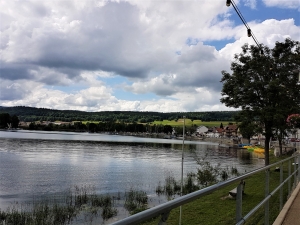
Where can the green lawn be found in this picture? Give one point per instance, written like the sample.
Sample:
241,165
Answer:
189,122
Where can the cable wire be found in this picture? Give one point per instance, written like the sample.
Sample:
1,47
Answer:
246,24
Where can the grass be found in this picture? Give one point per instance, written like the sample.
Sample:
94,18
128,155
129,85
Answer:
189,122
219,208
179,122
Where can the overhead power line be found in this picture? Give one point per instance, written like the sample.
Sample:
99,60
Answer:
249,31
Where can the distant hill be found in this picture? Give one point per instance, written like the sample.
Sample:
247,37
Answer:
29,114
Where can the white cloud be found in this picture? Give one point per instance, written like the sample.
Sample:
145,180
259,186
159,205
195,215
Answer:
267,33
82,48
250,3
294,4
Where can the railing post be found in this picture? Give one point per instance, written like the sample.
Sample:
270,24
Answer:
267,171
289,182
298,167
239,201
281,189
295,175
164,218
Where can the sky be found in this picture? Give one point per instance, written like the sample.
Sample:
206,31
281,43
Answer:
135,55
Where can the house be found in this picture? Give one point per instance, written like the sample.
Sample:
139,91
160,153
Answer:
201,130
231,130
24,124
215,132
212,135
219,131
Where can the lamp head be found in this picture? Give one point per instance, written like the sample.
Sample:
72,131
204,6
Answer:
249,32
228,2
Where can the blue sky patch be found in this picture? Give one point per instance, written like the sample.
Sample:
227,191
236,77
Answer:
191,41
125,95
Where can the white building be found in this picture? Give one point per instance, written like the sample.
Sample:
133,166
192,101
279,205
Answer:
201,129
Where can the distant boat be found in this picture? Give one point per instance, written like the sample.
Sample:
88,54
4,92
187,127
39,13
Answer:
242,145
254,149
11,130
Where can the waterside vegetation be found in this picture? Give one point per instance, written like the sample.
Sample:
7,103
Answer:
76,204
219,207
83,204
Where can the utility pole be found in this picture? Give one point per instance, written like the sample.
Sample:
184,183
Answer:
182,158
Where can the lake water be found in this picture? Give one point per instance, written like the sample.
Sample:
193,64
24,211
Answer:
36,163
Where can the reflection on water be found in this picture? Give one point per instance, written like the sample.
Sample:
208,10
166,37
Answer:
34,167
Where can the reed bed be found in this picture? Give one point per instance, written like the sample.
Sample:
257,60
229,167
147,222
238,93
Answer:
135,201
75,204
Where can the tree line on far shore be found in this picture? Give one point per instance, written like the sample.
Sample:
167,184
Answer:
7,121
135,123
109,127
31,114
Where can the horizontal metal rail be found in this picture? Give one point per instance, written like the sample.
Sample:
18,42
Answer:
256,208
165,208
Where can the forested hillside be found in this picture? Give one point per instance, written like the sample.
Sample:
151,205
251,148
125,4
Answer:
30,114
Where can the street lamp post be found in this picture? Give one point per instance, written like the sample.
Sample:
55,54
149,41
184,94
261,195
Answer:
182,157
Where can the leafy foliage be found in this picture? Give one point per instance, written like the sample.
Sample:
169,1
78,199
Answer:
6,119
248,125
207,174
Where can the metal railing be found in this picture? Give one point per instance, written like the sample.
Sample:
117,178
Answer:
164,209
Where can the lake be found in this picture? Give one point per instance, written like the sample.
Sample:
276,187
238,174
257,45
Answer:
37,163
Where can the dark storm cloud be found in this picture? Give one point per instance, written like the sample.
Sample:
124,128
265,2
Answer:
57,76
11,91
104,39
101,38
210,79
15,71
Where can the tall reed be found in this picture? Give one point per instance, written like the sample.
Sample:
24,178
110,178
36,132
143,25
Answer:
135,201
76,202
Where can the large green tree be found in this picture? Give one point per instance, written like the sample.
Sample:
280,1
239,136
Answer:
264,86
4,120
14,121
248,126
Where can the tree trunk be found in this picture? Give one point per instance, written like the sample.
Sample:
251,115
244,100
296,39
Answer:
280,146
280,138
267,142
268,135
